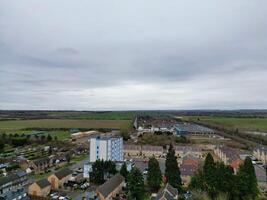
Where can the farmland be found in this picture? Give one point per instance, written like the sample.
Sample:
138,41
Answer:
63,124
243,124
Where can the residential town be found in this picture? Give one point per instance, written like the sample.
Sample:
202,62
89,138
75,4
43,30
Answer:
54,176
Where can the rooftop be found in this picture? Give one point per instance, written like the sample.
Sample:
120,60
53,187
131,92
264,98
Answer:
63,173
110,185
43,183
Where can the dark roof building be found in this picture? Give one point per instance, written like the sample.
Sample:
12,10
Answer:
20,194
43,183
111,187
12,181
63,173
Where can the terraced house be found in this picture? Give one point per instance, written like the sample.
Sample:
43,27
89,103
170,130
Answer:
13,182
229,156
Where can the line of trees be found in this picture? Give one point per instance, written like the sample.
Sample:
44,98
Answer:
217,179
16,140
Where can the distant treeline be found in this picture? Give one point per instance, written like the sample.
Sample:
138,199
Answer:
96,115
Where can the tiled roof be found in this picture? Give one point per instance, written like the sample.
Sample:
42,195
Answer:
41,161
187,148
8,179
187,170
63,173
152,148
167,193
110,185
230,153
43,183
132,147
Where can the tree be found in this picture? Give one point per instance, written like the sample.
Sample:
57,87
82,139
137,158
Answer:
172,171
125,134
247,181
225,180
49,138
97,174
36,137
154,176
135,184
42,138
124,171
2,145
209,172
110,167
55,138
68,157
101,168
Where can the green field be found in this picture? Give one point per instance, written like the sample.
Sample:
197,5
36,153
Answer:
244,124
63,123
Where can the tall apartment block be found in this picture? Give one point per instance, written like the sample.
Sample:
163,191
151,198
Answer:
106,148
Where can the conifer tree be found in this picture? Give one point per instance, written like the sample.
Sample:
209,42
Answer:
247,181
135,184
154,176
172,171
124,171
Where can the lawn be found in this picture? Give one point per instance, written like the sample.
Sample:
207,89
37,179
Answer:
63,123
244,124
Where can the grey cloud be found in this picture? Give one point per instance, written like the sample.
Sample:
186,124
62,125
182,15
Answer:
81,49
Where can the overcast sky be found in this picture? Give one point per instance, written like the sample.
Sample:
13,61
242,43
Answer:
133,54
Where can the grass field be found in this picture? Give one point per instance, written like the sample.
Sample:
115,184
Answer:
63,123
244,124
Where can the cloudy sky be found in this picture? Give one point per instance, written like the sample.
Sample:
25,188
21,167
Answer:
125,54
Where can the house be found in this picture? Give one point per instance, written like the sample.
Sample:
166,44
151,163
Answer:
188,168
16,194
182,151
149,151
229,156
167,193
40,164
260,152
132,150
111,187
106,148
58,179
40,188
13,181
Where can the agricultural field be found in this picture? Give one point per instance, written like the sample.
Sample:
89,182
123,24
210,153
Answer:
64,124
243,124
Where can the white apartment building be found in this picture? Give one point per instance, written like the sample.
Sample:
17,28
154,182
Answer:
106,148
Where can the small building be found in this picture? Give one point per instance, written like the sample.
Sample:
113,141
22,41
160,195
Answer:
87,168
111,187
167,193
58,179
149,151
132,150
40,188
